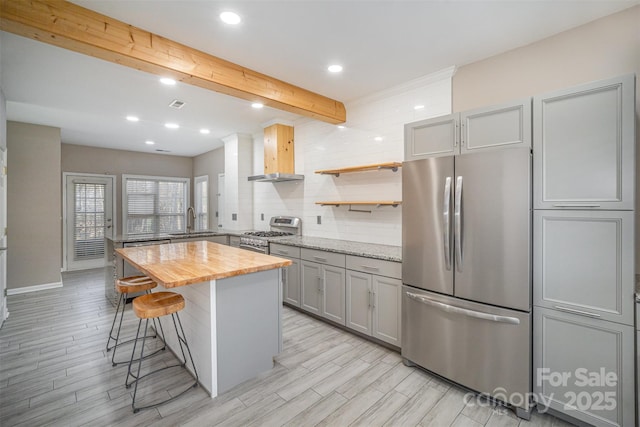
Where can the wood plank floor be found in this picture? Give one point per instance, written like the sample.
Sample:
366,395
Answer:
54,370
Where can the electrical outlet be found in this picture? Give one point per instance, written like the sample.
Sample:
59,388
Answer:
234,217
319,219
261,217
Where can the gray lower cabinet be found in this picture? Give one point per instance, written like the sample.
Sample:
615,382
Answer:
485,128
291,283
584,367
374,301
291,275
323,284
234,241
583,145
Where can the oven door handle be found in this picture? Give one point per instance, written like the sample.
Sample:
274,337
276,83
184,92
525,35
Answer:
252,248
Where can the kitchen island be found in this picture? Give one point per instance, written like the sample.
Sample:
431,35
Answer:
232,318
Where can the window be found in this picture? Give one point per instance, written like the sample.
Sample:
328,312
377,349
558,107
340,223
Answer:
202,202
154,204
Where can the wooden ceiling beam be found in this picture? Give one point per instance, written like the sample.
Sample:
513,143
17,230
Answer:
73,27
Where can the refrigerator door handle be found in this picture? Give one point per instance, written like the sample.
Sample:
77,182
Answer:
447,223
459,310
457,214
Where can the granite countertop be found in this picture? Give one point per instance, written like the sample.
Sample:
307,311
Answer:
186,263
369,250
125,238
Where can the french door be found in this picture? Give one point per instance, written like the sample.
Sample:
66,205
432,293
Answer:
89,219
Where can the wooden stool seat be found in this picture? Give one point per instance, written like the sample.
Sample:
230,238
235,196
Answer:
130,285
157,304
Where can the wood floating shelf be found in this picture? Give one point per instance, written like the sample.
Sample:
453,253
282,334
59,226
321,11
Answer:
377,166
377,203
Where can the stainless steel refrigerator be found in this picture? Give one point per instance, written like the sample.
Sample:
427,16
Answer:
466,270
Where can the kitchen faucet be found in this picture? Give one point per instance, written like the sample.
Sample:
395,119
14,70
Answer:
191,218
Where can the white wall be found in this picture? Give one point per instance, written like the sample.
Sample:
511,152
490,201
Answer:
324,146
238,190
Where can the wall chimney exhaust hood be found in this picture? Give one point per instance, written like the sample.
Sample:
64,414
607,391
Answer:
278,155
276,177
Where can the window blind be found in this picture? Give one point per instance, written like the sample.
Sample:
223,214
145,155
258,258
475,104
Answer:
88,221
155,204
202,202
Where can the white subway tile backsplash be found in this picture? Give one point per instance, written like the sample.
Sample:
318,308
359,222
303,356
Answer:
320,145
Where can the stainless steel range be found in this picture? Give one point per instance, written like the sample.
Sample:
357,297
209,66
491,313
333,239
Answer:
281,226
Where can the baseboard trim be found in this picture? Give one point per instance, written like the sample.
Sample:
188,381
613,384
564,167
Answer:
34,288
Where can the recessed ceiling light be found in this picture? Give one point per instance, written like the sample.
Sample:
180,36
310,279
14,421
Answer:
149,142
167,81
335,68
418,107
340,126
133,119
377,138
171,125
230,18
205,131
257,105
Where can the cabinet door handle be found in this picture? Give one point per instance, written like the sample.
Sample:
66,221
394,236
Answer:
319,284
369,298
373,299
576,205
285,276
574,311
455,135
370,267
318,258
281,252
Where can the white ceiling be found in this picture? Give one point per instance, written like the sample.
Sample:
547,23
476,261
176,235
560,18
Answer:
380,43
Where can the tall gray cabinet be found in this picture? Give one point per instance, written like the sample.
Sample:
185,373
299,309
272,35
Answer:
583,257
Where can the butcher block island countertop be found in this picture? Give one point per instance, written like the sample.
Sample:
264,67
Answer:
233,306
181,264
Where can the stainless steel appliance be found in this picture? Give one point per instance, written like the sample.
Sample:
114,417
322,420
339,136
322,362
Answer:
281,226
466,269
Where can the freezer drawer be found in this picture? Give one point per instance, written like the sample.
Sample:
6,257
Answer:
484,348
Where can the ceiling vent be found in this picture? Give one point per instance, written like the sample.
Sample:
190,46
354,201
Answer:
160,150
177,104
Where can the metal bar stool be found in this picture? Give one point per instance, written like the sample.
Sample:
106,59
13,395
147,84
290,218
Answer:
126,286
152,306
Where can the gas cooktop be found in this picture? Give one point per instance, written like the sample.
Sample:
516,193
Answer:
268,233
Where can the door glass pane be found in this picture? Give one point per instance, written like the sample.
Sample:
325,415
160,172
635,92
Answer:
88,221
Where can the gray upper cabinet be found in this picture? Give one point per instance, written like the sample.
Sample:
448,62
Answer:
583,263
431,138
496,126
485,128
584,146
